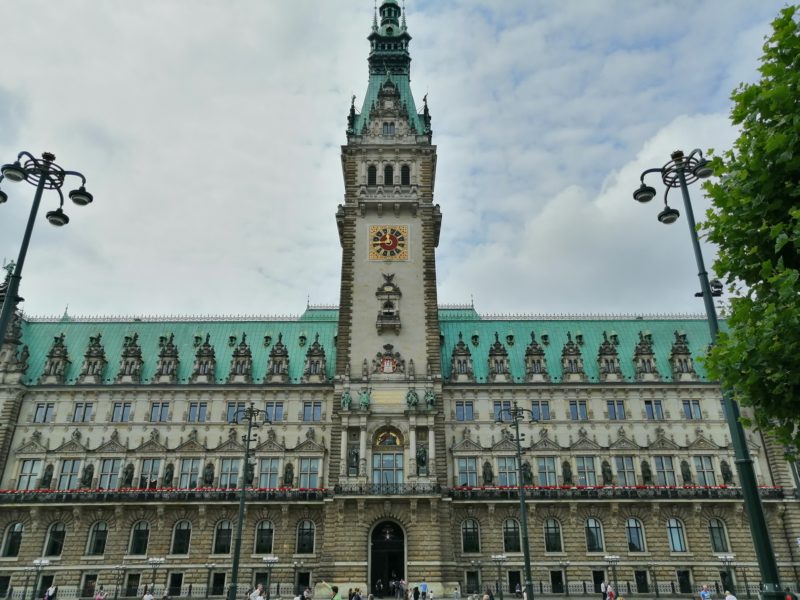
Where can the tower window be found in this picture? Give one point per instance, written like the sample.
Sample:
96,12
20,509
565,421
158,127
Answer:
388,128
405,175
372,175
388,175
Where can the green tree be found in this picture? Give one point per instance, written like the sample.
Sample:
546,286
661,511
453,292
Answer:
755,221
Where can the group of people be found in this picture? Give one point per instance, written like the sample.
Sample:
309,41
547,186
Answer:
705,594
607,591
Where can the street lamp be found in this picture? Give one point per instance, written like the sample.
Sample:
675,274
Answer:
250,413
517,415
38,565
154,564
680,171
727,561
295,565
652,566
564,564
499,560
44,173
612,560
269,562
118,572
210,567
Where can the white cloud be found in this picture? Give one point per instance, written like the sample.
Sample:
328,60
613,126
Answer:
210,136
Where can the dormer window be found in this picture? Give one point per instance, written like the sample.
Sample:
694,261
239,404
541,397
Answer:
388,128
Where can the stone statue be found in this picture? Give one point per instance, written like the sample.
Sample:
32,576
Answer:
527,473
727,474
347,400
686,473
288,475
363,399
605,469
566,473
208,475
127,475
9,269
47,478
88,475
422,461
169,471
249,472
365,369
411,398
647,474
430,398
352,458
488,476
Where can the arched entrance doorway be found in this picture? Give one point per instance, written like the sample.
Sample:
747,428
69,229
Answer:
387,559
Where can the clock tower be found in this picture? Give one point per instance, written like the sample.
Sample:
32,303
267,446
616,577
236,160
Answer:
388,358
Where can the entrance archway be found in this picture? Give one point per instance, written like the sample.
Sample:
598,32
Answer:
387,557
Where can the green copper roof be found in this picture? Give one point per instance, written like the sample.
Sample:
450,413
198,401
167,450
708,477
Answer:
407,98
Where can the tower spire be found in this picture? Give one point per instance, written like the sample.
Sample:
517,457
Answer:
403,23
375,17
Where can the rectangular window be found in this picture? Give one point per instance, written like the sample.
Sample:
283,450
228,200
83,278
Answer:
44,412
309,473
109,473
159,412
68,477
217,584
121,412
468,471
5,582
29,474
132,584
616,410
704,465
273,412
502,410
691,410
388,128
507,471
547,470
150,470
464,410
577,410
586,472
235,412
653,410
268,473
190,471
540,410
229,473
625,472
83,412
665,472
387,469
198,412
312,411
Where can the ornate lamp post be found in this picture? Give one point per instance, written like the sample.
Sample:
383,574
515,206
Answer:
612,560
249,414
727,561
44,173
209,567
681,171
499,560
652,566
38,565
517,415
154,564
295,566
564,565
269,562
118,571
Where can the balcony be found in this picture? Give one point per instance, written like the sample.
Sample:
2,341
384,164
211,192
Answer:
387,489
609,493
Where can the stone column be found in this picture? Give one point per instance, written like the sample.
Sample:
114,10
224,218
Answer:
362,451
431,450
412,449
343,450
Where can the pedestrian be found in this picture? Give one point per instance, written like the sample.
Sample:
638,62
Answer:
415,593
729,596
147,595
334,590
258,593
100,595
603,588
705,594
456,593
518,590
610,593
423,589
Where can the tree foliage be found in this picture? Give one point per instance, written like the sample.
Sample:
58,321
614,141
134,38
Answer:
755,221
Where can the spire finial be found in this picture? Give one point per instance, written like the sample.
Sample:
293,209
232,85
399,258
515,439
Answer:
404,16
375,17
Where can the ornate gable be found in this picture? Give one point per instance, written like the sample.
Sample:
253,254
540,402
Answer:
190,445
702,443
71,446
546,444
232,444
270,444
499,367
309,445
111,445
467,445
624,444
167,366
94,362
241,362
680,359
535,362
608,360
572,361
205,363
151,446
662,443
644,358
314,371
31,447
505,444
584,443
461,362
130,364
57,362
278,364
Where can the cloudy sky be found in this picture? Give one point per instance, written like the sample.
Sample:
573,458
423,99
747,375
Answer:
210,132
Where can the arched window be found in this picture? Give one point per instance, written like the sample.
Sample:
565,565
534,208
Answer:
719,537
594,535
388,175
264,533
140,534
677,540
12,540
222,538
372,175
405,175
511,535
181,536
305,537
552,536
54,543
98,535
635,534
470,536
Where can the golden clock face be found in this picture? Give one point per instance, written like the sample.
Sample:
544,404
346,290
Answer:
388,242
